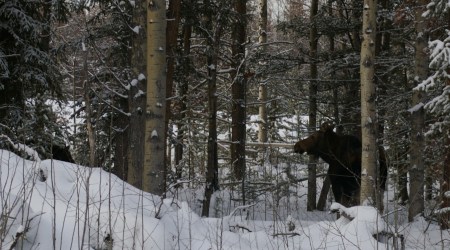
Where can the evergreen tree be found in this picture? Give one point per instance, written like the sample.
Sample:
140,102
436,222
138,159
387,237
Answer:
29,74
437,85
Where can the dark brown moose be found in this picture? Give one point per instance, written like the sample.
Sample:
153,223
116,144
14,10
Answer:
343,154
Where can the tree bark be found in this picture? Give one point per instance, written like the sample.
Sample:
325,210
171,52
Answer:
262,98
368,105
324,193
238,90
326,182
173,17
121,142
444,218
312,165
154,172
136,101
417,168
212,170
88,109
401,150
183,91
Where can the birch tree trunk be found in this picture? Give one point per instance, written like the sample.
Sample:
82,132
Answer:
416,168
154,172
368,104
312,165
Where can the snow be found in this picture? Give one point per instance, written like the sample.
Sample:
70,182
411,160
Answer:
78,207
416,108
83,46
139,94
20,229
141,77
136,29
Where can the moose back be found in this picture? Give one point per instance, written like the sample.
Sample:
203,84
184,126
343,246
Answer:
343,154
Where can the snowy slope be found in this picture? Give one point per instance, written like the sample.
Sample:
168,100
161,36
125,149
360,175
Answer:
87,208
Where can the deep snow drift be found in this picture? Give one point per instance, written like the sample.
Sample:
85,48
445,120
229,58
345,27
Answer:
87,208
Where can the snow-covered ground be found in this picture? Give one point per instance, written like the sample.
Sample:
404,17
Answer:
87,208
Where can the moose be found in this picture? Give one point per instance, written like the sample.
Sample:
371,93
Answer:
343,154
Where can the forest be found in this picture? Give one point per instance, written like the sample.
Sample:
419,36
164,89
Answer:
199,103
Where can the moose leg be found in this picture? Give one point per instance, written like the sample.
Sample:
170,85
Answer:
351,192
337,192
351,197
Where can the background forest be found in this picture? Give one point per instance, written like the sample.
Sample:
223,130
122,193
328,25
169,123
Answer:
237,83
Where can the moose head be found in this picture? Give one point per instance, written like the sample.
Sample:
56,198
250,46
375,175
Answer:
317,141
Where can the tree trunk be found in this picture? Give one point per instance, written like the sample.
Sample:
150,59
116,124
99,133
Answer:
356,17
87,99
402,149
444,219
238,91
326,182
312,165
402,178
136,100
121,142
173,17
89,126
324,193
416,170
262,98
368,105
183,91
212,170
382,46
154,172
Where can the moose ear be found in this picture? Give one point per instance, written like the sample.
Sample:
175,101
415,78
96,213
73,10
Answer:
327,126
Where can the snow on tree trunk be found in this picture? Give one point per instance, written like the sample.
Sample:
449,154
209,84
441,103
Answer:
136,103
155,143
368,104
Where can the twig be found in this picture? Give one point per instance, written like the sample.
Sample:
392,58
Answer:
19,234
241,207
286,234
241,227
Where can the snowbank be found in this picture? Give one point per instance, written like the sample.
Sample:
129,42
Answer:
87,208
